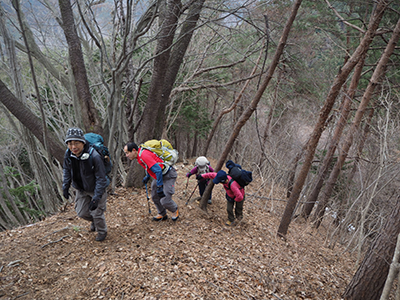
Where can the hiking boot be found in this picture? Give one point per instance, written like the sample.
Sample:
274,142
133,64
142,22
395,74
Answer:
101,236
209,201
229,223
160,218
92,227
175,215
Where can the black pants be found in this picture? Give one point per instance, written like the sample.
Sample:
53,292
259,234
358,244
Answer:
235,210
202,187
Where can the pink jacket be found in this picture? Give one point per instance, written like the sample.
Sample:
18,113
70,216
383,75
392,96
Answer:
235,191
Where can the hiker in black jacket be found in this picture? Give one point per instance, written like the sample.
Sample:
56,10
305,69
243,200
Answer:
84,168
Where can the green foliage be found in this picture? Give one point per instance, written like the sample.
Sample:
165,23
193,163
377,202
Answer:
21,195
11,172
193,118
20,192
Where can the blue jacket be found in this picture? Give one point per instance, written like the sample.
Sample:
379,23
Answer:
86,172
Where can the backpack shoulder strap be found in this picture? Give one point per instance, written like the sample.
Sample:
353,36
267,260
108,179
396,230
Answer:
90,156
140,157
165,167
230,182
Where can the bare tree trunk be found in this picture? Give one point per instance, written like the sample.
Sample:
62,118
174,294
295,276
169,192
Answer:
379,71
169,16
16,211
292,172
393,271
195,147
131,110
267,130
342,211
175,61
90,117
48,177
44,176
361,145
323,115
368,281
167,62
30,121
253,105
344,115
12,220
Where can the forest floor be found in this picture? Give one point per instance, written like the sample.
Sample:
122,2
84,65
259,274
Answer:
196,257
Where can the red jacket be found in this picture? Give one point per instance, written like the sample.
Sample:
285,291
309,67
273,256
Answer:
147,159
235,191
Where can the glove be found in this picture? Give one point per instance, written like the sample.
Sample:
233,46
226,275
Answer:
160,191
199,177
66,194
188,174
146,179
93,204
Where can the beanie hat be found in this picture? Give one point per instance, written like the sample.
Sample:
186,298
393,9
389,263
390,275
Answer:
221,176
75,134
201,161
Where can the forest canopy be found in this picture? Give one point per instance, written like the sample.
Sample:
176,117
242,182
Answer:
303,93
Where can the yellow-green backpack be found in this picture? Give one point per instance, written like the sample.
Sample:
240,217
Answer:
163,149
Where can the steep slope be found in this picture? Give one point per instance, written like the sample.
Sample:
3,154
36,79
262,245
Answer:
197,257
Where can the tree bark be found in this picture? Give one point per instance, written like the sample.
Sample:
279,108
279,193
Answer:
379,71
167,62
169,19
169,16
344,115
15,209
393,271
253,105
30,121
12,220
343,207
175,61
360,146
324,113
90,117
369,279
292,173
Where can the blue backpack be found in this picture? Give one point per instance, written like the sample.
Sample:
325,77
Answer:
97,142
241,176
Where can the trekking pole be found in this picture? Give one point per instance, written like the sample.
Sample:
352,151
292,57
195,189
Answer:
192,193
187,182
147,195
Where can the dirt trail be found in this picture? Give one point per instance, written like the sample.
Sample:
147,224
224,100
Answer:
197,257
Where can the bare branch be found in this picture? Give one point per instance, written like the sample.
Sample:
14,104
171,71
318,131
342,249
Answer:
343,20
